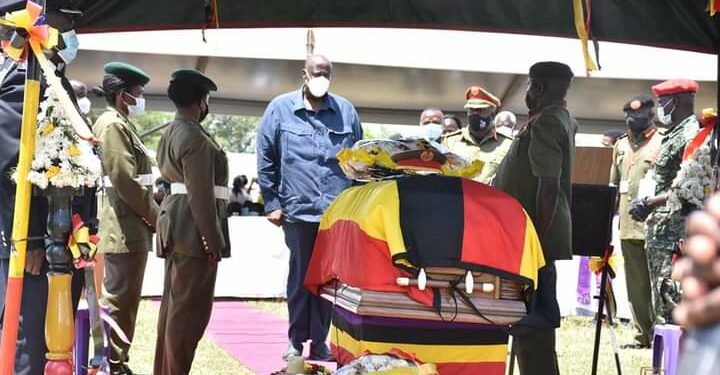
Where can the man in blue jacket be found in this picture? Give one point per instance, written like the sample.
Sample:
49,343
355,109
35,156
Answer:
299,176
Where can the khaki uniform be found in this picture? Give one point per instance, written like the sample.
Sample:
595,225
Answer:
631,161
127,210
191,227
491,150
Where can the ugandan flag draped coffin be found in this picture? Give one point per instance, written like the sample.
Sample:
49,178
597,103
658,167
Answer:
374,233
455,348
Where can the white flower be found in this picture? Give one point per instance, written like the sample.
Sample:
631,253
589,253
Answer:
52,150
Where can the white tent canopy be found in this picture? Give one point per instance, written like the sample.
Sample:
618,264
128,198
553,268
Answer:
392,74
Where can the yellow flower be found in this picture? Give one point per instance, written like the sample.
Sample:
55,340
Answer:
52,171
49,127
74,151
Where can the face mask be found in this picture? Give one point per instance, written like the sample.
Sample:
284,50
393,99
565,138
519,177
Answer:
431,131
138,108
205,112
478,123
637,124
84,104
664,118
318,86
72,44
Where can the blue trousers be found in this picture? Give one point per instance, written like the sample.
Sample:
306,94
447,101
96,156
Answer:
309,314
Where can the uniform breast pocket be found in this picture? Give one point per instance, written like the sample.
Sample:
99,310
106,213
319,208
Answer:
297,142
339,139
619,159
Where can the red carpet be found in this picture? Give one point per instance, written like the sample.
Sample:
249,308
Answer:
256,338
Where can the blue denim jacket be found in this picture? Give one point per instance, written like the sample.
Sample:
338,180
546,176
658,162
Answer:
298,169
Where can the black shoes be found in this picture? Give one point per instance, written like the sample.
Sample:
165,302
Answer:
320,352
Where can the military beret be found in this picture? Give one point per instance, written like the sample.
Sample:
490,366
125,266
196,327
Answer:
478,97
675,86
193,78
551,70
128,73
639,101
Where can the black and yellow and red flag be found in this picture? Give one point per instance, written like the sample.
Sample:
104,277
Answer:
377,232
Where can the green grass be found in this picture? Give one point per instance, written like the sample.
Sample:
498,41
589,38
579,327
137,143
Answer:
574,348
210,359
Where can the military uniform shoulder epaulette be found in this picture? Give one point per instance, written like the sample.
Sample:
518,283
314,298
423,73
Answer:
452,134
624,135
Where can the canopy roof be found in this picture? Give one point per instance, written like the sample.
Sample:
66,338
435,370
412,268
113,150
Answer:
664,23
392,74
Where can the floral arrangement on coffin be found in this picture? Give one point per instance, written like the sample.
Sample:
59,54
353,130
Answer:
379,159
693,183
62,159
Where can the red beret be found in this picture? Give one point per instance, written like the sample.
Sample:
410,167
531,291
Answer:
675,86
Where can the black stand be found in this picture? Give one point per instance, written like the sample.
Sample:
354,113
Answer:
598,325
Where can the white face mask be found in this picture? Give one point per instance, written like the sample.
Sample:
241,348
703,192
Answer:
318,86
84,104
139,107
664,118
431,132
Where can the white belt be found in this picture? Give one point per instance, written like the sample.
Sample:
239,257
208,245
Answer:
142,179
221,192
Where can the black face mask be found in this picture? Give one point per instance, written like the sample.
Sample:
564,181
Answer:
204,113
478,123
638,124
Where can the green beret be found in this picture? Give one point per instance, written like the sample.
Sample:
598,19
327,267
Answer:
639,101
128,73
193,78
551,70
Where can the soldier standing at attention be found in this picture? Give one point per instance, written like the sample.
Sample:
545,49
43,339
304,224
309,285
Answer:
664,228
633,156
127,210
192,226
479,140
536,172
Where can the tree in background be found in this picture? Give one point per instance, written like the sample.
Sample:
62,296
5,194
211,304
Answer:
233,133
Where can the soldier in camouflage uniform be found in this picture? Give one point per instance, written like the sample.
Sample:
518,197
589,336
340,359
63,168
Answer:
676,99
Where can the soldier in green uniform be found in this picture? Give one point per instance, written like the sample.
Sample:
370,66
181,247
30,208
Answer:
192,226
664,228
633,156
479,140
536,171
127,209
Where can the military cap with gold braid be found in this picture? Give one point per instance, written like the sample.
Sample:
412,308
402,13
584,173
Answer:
478,97
131,74
193,78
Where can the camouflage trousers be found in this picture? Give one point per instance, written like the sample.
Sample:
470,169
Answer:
663,232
